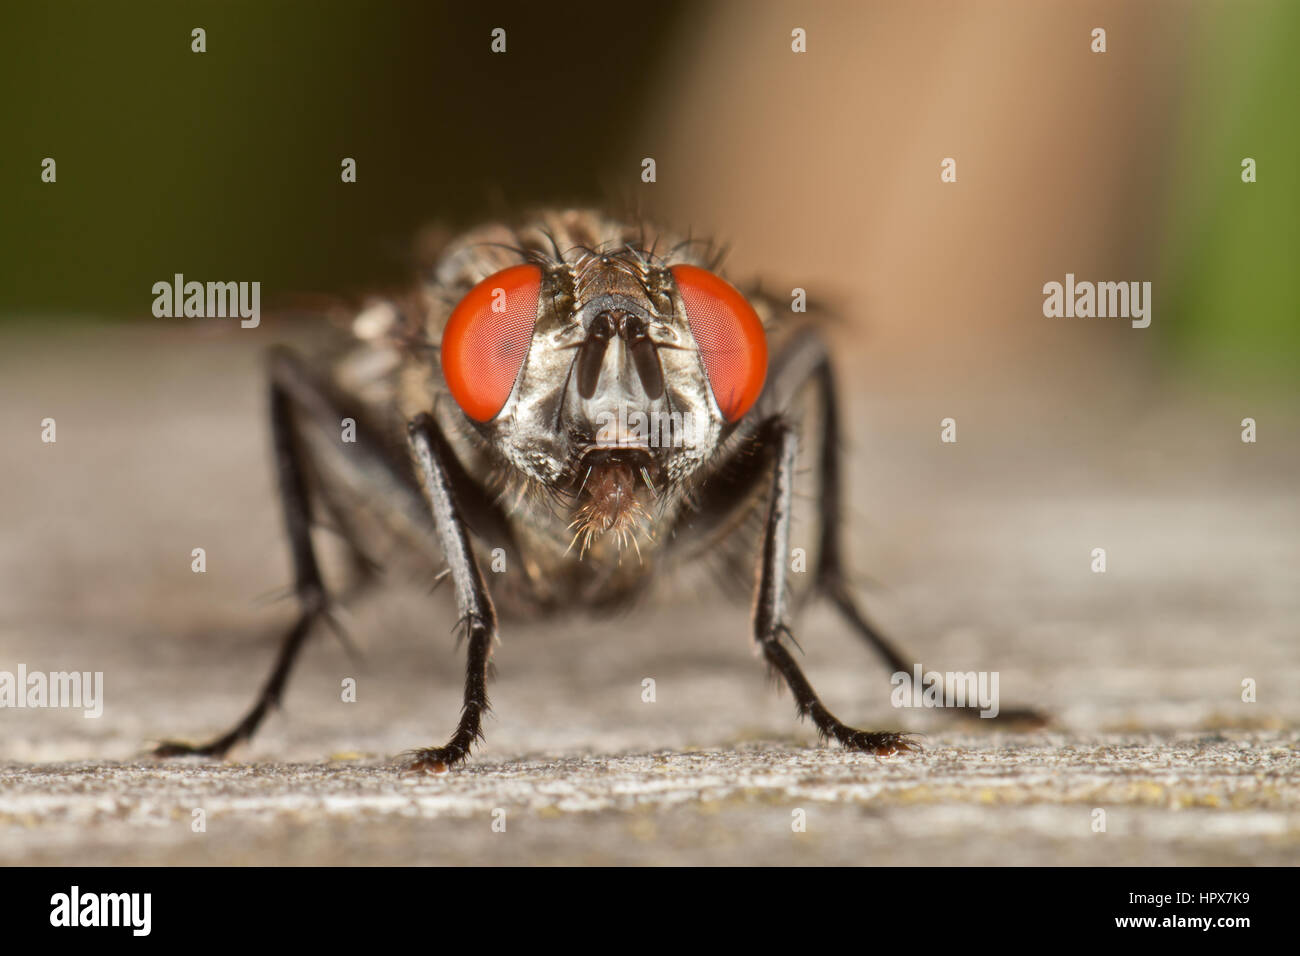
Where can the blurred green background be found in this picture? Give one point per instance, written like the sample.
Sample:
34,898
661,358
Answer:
227,163
1234,250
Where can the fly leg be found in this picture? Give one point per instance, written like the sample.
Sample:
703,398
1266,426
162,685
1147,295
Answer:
436,465
770,606
292,389
809,358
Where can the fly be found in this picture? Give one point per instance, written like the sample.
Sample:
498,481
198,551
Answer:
596,403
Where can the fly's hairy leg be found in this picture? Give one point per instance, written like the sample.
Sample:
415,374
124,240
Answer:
770,625
435,463
805,361
293,388
806,358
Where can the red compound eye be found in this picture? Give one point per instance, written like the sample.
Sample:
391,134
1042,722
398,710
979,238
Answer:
730,336
487,337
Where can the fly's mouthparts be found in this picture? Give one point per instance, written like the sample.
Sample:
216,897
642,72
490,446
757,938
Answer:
608,502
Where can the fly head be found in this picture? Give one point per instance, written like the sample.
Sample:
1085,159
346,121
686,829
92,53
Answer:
605,376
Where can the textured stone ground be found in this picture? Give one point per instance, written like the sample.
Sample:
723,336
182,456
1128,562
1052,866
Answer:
980,554
967,800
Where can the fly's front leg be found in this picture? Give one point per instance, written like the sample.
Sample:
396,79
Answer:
804,362
830,577
435,463
770,605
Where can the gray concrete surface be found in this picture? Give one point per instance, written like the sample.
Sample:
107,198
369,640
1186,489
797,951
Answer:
979,554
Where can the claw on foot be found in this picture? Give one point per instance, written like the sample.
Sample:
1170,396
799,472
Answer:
435,760
880,744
